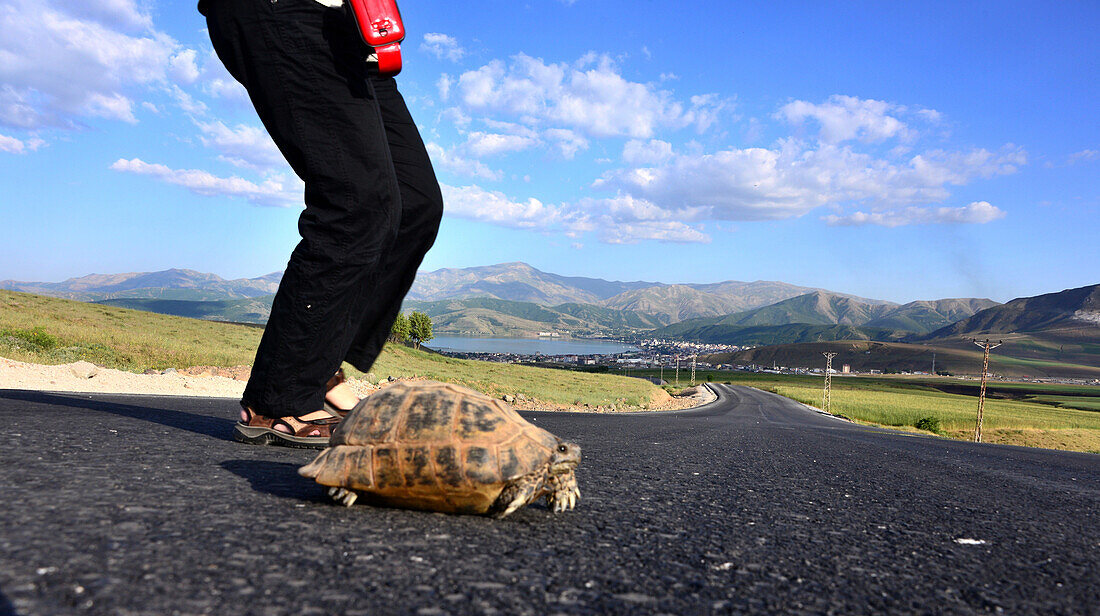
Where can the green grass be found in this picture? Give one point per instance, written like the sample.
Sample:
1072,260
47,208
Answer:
557,386
47,330
900,403
118,337
1084,403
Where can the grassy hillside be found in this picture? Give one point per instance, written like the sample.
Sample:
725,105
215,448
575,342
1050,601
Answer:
864,356
927,316
817,308
491,316
672,302
710,330
252,310
40,329
903,403
1074,312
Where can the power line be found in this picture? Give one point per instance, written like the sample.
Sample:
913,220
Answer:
827,400
987,345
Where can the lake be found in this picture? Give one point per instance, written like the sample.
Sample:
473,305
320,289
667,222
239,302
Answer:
528,346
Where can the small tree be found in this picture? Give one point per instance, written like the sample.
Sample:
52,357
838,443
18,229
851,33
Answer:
420,328
399,332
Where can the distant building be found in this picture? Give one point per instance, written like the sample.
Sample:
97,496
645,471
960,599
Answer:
846,369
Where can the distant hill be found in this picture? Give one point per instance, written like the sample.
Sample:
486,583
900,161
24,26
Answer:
926,316
1073,312
251,310
755,335
515,282
864,356
673,302
490,316
523,283
817,308
1056,334
822,316
181,284
1059,327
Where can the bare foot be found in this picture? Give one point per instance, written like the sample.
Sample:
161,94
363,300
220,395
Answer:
342,397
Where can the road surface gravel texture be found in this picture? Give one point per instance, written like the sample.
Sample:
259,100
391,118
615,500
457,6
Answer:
123,505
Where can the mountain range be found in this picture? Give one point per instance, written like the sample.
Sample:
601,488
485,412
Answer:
824,316
1055,334
519,282
515,299
654,302
174,284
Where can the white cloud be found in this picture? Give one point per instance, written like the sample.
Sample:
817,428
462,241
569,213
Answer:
444,84
1083,155
110,106
843,118
274,191
792,179
18,146
590,96
476,203
442,46
243,145
978,212
652,152
490,144
662,231
62,61
182,66
118,14
454,162
568,142
620,220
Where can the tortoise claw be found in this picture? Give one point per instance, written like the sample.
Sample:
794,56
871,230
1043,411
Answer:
343,496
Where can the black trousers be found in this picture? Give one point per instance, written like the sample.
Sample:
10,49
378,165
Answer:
373,204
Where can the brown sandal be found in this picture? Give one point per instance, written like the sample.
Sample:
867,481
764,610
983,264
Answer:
306,434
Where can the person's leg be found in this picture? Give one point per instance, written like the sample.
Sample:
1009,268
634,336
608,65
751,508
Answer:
304,68
421,210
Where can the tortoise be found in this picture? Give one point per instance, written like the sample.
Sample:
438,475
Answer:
443,447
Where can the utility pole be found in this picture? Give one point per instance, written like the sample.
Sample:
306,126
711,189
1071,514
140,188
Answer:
677,370
693,370
827,400
987,345
933,363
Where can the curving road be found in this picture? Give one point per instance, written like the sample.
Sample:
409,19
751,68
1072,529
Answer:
143,505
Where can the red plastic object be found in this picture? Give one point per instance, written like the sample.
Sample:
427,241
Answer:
380,26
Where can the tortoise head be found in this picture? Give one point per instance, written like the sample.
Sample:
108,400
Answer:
566,458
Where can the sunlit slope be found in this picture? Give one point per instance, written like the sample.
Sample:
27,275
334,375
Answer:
40,329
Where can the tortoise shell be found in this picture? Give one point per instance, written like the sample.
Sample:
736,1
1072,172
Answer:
430,445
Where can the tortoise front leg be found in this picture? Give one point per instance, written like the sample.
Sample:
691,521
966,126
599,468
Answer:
517,494
562,492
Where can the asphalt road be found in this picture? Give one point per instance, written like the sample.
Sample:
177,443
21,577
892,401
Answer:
144,505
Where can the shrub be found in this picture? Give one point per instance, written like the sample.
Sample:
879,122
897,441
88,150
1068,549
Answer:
931,424
37,339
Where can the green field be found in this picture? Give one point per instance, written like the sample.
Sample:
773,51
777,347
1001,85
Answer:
47,330
1030,414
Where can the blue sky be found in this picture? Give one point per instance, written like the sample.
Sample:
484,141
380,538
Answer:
899,151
